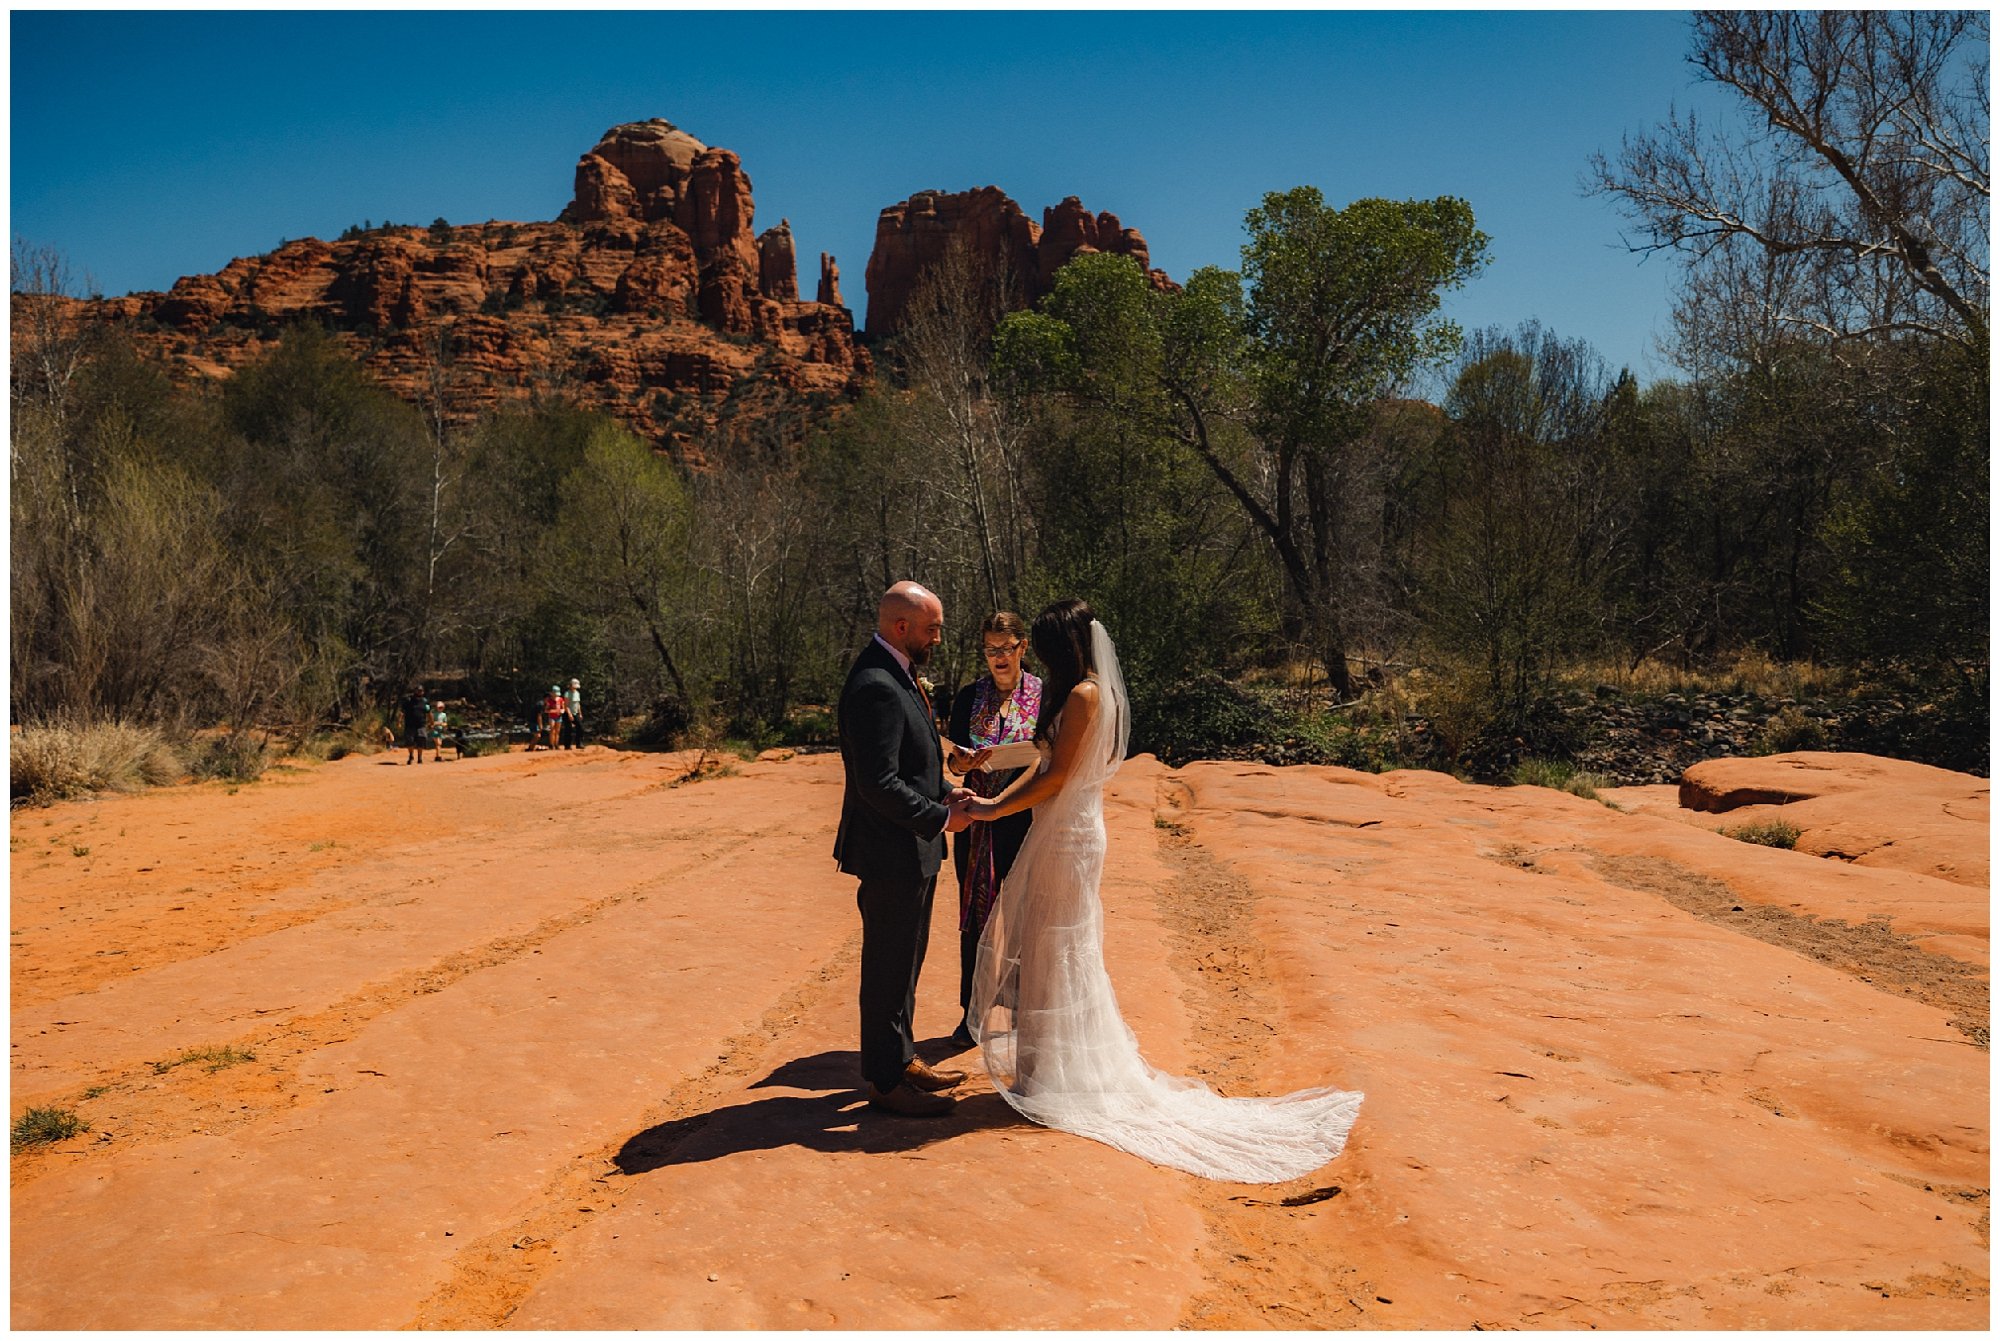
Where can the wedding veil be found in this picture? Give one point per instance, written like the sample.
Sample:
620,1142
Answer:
1047,1019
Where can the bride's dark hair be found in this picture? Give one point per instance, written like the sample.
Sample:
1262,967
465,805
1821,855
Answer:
1061,639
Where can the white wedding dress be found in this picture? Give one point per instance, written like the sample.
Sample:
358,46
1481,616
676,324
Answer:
1047,1021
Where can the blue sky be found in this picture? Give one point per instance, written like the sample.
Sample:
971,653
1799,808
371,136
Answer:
150,145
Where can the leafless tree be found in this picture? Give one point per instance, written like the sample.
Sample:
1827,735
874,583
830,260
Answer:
1857,203
438,396
946,349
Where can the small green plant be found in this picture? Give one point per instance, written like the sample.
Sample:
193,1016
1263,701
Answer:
1558,775
96,1091
213,1059
40,1126
1773,833
78,851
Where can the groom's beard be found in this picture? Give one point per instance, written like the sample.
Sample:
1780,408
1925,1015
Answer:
919,656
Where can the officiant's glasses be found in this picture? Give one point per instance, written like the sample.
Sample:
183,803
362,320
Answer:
993,653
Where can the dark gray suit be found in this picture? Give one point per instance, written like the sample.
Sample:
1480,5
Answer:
892,818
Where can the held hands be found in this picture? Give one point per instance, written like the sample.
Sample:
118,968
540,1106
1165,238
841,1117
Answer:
956,807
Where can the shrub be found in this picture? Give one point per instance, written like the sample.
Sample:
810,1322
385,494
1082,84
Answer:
361,735
39,1126
1789,730
1773,833
1558,775
809,726
1554,773
1369,748
1202,718
1324,738
666,722
1943,723
233,758
59,759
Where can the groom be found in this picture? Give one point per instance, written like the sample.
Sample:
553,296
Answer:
893,818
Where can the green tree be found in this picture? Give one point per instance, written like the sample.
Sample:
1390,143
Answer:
620,548
1910,550
1126,514
1518,558
1341,307
325,474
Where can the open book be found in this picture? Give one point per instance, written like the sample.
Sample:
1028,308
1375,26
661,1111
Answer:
1020,754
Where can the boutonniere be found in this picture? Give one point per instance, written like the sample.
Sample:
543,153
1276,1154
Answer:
924,683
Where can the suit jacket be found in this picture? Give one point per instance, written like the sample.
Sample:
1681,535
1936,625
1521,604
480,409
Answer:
892,811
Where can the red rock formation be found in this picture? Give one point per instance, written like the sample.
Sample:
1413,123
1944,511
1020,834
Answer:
913,235
829,281
778,263
639,170
632,289
1069,229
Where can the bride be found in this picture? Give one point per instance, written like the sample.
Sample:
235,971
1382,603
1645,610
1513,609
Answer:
1042,1007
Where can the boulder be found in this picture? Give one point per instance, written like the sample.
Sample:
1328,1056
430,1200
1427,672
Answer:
1857,808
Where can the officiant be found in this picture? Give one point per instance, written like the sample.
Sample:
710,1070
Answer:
998,708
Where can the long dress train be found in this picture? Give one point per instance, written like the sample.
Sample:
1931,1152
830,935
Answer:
1048,1024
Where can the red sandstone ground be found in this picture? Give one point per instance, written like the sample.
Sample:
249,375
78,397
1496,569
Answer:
548,1041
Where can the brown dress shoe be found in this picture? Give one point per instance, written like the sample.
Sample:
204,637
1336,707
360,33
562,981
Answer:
921,1074
910,1102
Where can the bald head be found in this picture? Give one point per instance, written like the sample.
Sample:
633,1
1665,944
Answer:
911,620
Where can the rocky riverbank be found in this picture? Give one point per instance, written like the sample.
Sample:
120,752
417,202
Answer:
1627,739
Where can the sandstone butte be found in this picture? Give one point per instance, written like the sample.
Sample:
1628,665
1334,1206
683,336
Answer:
560,1041
999,239
650,297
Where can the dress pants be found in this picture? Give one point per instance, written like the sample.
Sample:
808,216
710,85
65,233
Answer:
895,930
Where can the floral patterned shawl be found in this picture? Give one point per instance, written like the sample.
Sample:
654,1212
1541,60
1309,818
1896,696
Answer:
996,720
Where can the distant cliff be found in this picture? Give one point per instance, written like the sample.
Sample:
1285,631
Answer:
914,234
650,297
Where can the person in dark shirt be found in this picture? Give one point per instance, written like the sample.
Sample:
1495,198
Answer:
416,724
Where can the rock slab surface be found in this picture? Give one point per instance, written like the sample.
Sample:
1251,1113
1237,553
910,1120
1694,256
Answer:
370,1046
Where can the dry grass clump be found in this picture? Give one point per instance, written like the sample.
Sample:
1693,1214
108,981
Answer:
209,1059
1775,833
368,733
1559,775
1787,731
58,759
1749,672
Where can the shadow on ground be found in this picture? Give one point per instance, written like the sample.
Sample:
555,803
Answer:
837,1119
